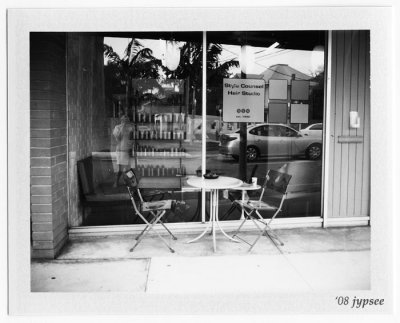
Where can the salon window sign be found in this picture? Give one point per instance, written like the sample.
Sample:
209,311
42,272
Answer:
243,100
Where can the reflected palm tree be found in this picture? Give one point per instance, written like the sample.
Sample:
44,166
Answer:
190,68
138,62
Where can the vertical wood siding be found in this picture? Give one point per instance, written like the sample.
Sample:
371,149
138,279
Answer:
349,163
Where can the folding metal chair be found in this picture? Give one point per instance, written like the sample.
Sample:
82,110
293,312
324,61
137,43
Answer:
156,209
276,182
236,194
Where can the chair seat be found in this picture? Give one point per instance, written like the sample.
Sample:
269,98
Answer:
157,205
256,204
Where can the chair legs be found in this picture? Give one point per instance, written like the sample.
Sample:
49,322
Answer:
263,231
268,230
227,213
151,223
149,226
240,226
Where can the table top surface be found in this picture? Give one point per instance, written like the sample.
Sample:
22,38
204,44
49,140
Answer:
222,182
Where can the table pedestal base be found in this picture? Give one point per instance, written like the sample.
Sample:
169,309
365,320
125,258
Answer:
213,220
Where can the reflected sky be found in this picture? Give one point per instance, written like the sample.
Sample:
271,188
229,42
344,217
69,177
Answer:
308,62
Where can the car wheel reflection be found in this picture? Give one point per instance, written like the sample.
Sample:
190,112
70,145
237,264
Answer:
252,153
314,151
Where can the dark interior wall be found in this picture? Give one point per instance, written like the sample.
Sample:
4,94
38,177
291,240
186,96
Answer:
49,208
87,128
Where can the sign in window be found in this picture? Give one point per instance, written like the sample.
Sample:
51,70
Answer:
243,100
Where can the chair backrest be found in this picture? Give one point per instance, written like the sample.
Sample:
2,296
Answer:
276,181
131,182
130,179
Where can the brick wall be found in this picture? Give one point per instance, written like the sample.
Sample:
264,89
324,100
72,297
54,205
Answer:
66,80
49,211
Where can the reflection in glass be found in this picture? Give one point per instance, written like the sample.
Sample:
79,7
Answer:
291,63
153,101
153,119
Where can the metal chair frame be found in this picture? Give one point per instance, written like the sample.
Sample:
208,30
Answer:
152,208
276,181
233,195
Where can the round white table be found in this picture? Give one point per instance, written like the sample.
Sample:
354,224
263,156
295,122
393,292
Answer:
214,185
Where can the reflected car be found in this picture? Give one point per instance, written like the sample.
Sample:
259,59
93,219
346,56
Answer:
271,140
313,130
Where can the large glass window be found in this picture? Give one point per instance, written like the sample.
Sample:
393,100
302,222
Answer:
288,137
153,119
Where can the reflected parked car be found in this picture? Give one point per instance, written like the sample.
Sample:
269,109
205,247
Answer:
272,140
313,130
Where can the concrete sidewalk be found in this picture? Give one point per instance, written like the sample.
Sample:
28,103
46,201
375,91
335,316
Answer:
312,259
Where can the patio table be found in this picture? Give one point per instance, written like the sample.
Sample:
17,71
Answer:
214,185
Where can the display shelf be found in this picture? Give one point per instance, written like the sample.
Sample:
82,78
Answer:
170,117
160,171
176,135
161,140
162,155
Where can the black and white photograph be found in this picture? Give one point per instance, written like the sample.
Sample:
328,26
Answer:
201,161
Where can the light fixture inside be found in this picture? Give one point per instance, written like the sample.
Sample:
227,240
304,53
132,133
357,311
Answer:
246,59
172,55
317,59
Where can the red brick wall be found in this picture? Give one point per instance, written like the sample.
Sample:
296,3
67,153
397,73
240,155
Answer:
49,211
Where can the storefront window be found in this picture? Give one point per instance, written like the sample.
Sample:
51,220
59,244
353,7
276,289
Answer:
153,122
153,119
288,135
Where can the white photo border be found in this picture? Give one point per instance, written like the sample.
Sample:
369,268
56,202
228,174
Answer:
23,21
